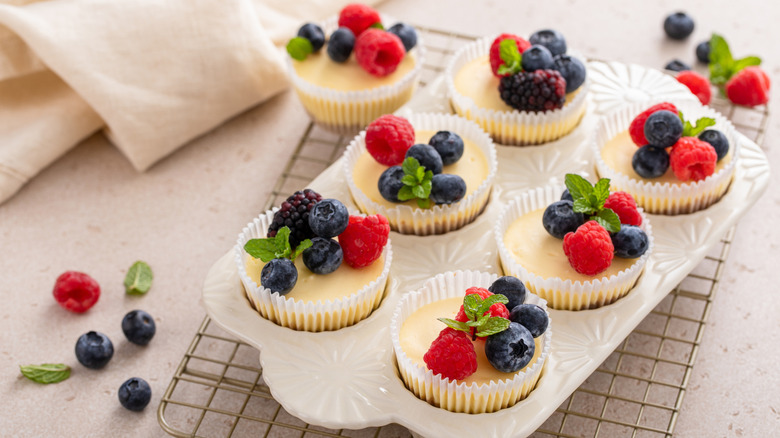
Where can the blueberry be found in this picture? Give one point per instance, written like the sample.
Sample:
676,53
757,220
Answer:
340,44
323,256
510,287
559,218
718,141
449,145
135,394
630,242
510,350
677,65
703,52
279,275
328,218
447,188
427,156
390,183
532,317
314,34
94,350
138,327
566,196
406,33
571,69
650,161
678,26
537,58
663,128
552,39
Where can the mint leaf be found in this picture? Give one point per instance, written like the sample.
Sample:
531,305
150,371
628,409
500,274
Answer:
138,279
263,249
409,180
410,166
489,301
608,219
420,173
299,48
510,54
282,243
601,190
46,373
747,61
301,248
582,205
471,305
457,325
492,326
424,203
578,186
418,191
417,183
405,193
701,124
377,25
721,61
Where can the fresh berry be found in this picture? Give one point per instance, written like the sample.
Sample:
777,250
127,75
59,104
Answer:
364,239
532,317
390,183
637,127
551,39
749,87
692,159
379,52
406,33
589,249
572,70
496,310
447,188
512,288
314,34
451,355
698,84
663,128
566,196
677,65
510,350
540,90
279,275
94,350
703,52
624,206
138,327
559,218
650,161
135,394
76,291
294,214
340,44
323,256
717,140
388,138
427,156
630,242
358,17
449,145
328,218
495,51
537,58
678,26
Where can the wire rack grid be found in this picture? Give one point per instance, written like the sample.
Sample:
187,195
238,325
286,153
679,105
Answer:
218,390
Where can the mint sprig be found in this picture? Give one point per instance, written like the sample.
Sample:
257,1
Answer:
590,199
417,182
139,278
46,373
690,130
299,48
377,25
476,310
510,54
722,63
277,247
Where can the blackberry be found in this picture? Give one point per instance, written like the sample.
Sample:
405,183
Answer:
294,213
540,90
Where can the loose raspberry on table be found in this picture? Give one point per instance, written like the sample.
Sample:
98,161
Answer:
589,249
452,355
692,159
749,87
379,52
539,90
698,84
76,291
388,138
624,205
637,127
294,214
364,239
358,17
495,51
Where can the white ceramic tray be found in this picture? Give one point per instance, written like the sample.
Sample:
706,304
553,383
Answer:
348,378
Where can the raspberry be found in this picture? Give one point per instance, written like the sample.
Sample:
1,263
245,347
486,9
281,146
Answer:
692,159
495,51
624,206
637,127
294,214
749,87
379,52
539,90
452,355
357,17
589,249
698,84
388,138
364,239
76,291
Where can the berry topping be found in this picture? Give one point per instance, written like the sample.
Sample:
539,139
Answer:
496,60
532,317
328,218
379,52
572,70
406,33
537,58
630,242
427,156
364,239
447,188
390,183
551,39
650,161
94,350
717,140
637,127
76,291
358,17
314,34
678,26
417,181
134,394
497,309
451,355
559,219
323,256
698,84
540,90
566,196
388,138
589,249
624,205
724,66
340,44
478,303
294,214
749,87
589,200
703,52
510,350
138,327
663,128
677,65
279,275
692,159
512,288
449,145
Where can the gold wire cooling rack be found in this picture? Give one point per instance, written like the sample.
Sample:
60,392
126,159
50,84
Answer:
218,391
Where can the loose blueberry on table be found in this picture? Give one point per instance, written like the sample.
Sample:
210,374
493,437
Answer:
138,327
94,350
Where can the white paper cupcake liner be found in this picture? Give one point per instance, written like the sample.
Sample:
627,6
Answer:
450,394
307,315
666,198
347,112
438,219
565,294
512,127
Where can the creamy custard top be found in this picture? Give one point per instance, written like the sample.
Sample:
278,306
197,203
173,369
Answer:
319,69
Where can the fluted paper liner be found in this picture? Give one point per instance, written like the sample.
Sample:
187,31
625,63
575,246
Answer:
512,127
308,316
438,219
565,294
450,394
666,198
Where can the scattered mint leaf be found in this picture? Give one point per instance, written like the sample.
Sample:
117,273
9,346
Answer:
277,247
510,54
46,373
608,219
456,325
299,48
303,246
722,64
417,183
138,279
492,326
377,25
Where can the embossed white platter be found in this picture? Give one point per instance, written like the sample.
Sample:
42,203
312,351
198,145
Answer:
348,379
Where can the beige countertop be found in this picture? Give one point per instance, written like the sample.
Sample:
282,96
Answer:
92,212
